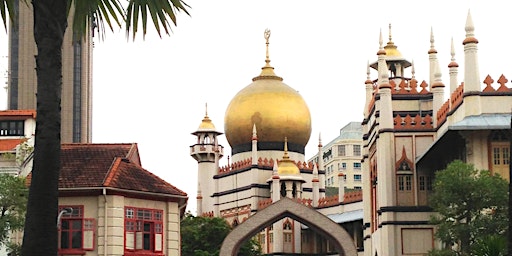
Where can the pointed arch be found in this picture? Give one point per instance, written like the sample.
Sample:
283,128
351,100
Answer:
288,208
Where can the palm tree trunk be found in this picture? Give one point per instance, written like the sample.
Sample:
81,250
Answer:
40,235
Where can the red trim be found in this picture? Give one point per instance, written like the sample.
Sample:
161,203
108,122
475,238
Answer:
71,252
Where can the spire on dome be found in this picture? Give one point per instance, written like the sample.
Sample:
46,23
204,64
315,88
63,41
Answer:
390,37
285,156
320,140
267,72
254,133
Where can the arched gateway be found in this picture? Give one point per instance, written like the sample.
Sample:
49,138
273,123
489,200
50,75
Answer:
288,208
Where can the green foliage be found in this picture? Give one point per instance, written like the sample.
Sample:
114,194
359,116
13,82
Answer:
471,205
13,201
203,236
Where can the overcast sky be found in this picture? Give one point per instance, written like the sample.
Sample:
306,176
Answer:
153,91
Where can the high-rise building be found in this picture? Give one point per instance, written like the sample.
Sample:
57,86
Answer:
342,158
76,103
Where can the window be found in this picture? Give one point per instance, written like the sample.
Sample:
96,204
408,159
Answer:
76,233
344,166
357,166
404,182
341,150
287,237
425,183
143,230
12,128
357,177
357,150
358,187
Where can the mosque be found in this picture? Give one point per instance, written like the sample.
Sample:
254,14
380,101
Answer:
409,132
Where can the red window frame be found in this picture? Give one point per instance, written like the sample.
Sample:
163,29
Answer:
143,231
75,226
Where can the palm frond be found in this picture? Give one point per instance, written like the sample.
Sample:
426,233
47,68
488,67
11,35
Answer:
160,11
96,14
7,9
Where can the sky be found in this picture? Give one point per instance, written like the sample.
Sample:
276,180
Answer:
153,91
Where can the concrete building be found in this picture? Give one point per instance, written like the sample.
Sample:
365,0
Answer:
268,125
411,131
76,103
343,155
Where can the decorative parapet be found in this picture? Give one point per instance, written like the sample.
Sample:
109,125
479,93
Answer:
207,214
264,203
262,163
408,86
502,81
410,123
353,196
328,201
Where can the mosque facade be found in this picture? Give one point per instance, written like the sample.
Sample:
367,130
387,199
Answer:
409,131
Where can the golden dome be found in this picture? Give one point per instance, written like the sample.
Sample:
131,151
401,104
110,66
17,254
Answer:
277,111
286,166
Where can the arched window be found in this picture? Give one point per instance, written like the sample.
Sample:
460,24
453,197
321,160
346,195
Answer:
283,189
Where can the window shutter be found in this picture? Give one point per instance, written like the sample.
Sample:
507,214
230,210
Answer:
138,241
158,242
88,236
130,240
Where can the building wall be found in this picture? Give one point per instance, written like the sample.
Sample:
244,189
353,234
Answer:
76,77
110,234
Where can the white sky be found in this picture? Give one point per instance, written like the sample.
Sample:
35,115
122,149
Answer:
153,92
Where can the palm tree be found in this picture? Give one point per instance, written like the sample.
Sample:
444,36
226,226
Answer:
50,23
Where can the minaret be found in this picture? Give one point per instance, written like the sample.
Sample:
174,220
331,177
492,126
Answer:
321,166
199,199
432,56
254,152
471,70
438,93
369,91
316,187
386,117
207,153
385,149
453,68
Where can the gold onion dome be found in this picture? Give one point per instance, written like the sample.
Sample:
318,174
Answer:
286,166
206,125
276,109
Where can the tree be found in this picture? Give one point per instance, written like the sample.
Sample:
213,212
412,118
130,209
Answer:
203,236
50,23
13,204
471,206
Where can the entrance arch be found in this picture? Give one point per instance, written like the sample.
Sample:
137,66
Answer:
288,208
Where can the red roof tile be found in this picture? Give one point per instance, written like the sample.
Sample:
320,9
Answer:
109,165
10,144
26,113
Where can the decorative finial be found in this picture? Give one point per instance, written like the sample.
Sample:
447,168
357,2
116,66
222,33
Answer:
390,37
380,40
413,70
266,34
470,28
368,70
267,72
452,51
431,37
320,140
206,109
285,156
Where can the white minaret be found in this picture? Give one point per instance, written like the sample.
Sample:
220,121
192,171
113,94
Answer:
369,90
471,71
385,149
316,186
254,153
321,166
438,93
453,68
207,152
432,57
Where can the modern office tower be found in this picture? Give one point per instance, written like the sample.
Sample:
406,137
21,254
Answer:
76,76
